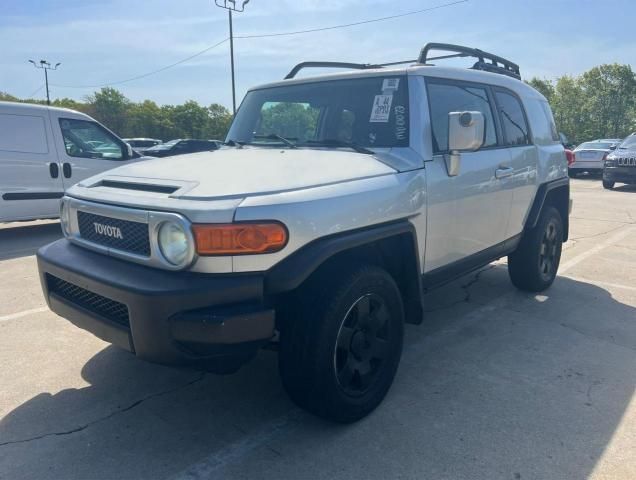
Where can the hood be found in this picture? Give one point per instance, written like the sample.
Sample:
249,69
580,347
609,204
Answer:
240,172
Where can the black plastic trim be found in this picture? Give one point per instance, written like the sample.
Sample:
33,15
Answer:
32,196
539,199
296,268
447,273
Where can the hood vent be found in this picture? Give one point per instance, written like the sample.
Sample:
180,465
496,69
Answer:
140,187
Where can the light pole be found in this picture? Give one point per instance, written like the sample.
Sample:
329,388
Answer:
230,6
46,66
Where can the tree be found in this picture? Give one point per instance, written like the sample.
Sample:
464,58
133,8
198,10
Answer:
191,119
291,120
110,107
544,87
219,120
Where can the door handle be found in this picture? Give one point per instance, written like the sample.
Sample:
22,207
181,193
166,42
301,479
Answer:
66,170
503,172
54,170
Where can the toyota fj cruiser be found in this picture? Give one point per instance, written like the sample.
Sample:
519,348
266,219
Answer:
335,202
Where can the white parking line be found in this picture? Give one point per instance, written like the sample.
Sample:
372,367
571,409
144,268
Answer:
617,237
23,313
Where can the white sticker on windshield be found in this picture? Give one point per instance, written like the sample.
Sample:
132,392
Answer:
381,109
390,85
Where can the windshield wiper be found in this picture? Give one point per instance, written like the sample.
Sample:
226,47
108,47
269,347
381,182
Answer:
234,143
276,136
333,142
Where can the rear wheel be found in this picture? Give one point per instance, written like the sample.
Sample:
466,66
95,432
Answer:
533,266
340,349
608,185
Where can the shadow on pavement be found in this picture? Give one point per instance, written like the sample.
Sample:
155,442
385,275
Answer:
22,241
498,384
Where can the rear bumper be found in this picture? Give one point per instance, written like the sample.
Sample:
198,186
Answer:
620,174
215,322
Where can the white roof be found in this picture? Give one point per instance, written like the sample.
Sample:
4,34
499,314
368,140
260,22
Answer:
30,108
465,74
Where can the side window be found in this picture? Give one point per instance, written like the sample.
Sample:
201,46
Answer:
22,134
87,139
513,120
550,118
445,98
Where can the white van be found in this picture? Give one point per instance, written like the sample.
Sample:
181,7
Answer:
44,150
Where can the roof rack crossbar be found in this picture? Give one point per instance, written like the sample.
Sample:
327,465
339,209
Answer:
506,68
356,66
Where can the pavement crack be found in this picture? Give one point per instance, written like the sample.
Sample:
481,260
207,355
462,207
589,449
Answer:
119,411
466,289
600,234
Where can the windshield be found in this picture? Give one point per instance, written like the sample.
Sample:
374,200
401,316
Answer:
595,145
368,112
629,142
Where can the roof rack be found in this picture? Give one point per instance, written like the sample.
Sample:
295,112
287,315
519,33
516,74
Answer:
506,68
355,66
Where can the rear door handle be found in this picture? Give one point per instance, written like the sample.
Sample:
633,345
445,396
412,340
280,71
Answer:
54,170
66,170
503,172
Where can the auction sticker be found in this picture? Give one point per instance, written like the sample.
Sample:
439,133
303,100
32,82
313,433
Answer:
381,109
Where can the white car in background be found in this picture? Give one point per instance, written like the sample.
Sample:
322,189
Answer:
589,156
45,150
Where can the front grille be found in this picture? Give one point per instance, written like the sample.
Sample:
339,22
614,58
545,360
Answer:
114,233
105,307
627,162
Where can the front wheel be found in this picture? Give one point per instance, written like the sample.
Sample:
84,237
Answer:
608,185
533,266
341,347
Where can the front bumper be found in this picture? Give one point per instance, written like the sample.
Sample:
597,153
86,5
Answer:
620,174
214,322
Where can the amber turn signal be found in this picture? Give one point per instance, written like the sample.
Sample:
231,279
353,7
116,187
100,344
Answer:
239,238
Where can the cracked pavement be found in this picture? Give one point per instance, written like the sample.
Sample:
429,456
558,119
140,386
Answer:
495,384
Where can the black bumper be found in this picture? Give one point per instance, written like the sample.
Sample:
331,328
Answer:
620,174
215,322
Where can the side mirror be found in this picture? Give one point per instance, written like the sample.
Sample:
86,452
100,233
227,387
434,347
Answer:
129,150
466,131
613,147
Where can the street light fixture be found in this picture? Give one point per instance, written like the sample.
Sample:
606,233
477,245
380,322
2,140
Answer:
46,66
231,6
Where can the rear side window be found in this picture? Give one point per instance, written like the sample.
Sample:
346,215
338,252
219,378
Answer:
23,134
551,124
445,98
513,119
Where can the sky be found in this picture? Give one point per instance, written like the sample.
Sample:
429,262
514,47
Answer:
101,42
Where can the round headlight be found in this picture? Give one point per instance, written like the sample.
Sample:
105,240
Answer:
173,242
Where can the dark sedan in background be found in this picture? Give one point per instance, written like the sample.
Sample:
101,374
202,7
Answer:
179,146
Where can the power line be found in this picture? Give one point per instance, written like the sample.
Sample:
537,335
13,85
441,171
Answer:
143,75
268,35
35,91
346,25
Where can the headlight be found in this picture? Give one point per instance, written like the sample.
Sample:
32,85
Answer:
174,243
610,162
65,218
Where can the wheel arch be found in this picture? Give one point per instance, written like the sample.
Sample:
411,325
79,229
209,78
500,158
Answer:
376,245
557,194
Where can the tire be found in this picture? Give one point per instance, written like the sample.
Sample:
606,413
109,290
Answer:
341,346
533,266
608,185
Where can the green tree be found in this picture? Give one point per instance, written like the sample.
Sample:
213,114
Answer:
219,120
110,107
190,119
544,86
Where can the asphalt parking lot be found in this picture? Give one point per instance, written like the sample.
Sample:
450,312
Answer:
496,384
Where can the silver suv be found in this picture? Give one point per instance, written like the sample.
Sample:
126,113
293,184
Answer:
336,201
